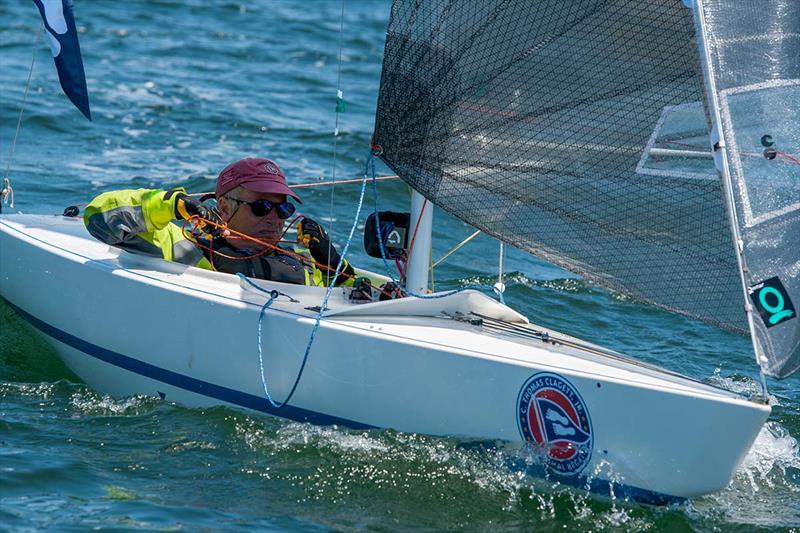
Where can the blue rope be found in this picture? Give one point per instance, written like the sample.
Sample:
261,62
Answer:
274,294
370,170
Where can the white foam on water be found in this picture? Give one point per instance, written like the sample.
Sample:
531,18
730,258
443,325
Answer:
746,385
192,168
44,391
774,450
190,445
131,132
85,167
90,403
297,435
761,493
402,462
119,153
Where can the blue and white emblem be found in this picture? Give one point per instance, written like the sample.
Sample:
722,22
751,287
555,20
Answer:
552,414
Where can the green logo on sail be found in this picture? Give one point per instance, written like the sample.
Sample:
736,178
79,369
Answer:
772,301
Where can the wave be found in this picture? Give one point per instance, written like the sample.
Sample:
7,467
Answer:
765,490
89,403
446,483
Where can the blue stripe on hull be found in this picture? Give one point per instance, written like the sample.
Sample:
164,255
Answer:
184,382
257,403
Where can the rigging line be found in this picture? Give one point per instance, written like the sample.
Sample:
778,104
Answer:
791,158
369,170
328,291
339,98
307,185
454,249
340,182
24,99
416,227
322,308
788,157
430,269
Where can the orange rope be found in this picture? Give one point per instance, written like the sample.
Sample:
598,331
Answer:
226,231
416,227
789,157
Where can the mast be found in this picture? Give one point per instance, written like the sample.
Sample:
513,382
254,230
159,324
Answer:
419,258
719,149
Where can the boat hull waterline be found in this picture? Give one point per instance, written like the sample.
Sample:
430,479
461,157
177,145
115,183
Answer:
129,324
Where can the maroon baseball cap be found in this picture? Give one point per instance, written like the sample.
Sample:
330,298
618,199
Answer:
259,175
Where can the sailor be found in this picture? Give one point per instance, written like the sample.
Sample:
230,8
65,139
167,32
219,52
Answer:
252,199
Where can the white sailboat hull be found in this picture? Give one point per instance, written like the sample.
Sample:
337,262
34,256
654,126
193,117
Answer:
129,324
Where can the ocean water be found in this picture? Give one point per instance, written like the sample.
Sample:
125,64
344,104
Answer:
180,88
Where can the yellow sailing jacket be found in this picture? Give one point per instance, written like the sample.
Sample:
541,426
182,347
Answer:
141,221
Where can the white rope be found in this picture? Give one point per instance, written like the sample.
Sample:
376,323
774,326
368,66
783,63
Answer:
7,189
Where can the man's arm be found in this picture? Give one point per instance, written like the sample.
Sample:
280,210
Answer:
132,218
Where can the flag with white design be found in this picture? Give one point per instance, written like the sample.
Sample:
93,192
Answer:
59,25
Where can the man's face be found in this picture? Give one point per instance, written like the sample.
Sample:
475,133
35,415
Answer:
240,217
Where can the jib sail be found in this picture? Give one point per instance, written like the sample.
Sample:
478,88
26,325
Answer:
752,59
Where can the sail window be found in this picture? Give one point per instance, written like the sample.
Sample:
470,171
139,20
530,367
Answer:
679,146
764,147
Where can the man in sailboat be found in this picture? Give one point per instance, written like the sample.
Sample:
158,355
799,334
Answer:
252,200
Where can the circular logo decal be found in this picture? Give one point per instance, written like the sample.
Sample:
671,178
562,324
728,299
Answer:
551,413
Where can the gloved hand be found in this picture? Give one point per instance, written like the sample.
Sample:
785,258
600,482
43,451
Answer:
390,291
186,208
316,240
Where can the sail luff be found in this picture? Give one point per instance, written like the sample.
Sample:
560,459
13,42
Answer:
719,147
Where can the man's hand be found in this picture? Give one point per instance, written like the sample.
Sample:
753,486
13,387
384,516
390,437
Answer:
316,240
390,291
191,210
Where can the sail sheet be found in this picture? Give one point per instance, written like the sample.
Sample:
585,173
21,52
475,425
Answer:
753,65
559,127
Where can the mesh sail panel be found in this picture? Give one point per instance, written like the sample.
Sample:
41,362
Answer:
556,126
754,51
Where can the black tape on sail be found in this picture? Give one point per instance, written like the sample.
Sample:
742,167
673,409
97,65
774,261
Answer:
772,302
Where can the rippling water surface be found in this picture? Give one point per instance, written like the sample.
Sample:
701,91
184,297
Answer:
178,90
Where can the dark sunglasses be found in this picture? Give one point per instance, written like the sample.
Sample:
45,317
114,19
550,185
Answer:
262,208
